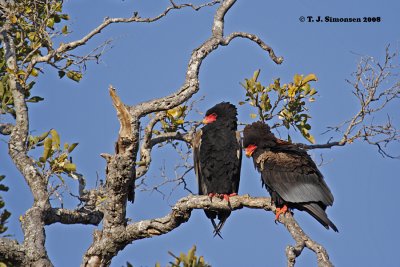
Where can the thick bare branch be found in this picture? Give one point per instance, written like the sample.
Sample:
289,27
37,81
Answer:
181,212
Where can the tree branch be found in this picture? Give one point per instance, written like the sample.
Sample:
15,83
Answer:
181,212
66,216
257,40
32,223
63,48
374,89
11,251
145,148
302,241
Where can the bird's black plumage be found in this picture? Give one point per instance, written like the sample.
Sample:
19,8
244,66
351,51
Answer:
289,174
217,157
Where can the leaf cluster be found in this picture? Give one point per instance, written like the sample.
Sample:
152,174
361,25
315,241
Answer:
4,214
6,99
285,102
187,260
55,158
175,118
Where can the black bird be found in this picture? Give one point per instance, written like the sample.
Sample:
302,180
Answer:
217,158
289,174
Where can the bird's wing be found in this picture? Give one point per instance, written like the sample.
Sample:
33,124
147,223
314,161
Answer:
294,176
238,163
196,159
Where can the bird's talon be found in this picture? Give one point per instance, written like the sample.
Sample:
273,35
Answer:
280,211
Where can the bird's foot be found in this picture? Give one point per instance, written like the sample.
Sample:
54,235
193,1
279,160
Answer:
227,196
211,195
280,211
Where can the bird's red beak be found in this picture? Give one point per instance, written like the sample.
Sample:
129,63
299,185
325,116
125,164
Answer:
250,150
210,118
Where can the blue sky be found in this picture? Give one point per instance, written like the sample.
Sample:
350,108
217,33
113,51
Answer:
150,60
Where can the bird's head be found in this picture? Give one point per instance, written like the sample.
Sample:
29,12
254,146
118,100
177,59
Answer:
257,136
222,112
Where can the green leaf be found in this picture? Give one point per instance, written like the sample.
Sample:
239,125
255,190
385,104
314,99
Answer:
69,167
56,139
34,72
32,36
69,63
57,18
35,99
46,150
30,85
309,78
179,122
256,74
50,22
2,90
43,136
312,92
75,76
13,19
72,147
64,16
297,79
64,30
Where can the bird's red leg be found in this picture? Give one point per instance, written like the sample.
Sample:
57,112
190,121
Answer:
280,211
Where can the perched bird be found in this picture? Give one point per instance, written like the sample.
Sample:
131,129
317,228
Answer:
217,158
289,174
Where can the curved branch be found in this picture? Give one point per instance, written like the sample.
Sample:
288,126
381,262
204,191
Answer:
302,241
63,48
148,142
145,148
257,40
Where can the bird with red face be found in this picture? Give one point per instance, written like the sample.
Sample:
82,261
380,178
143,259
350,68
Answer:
289,174
217,156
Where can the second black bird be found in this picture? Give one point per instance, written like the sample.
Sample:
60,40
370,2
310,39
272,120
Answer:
289,174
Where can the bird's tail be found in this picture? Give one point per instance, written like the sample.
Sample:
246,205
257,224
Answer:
222,216
320,215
